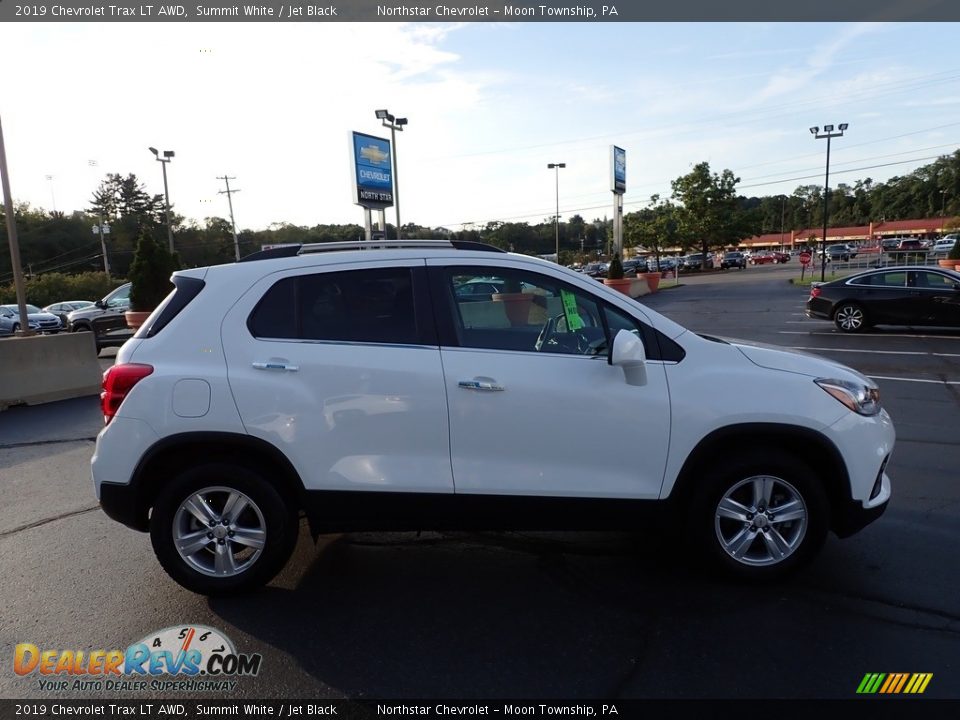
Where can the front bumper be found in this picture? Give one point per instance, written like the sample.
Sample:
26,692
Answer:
850,518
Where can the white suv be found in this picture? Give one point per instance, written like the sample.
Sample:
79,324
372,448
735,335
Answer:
359,386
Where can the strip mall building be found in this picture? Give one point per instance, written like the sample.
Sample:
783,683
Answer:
872,234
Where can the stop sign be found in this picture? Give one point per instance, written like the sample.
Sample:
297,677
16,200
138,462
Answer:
804,258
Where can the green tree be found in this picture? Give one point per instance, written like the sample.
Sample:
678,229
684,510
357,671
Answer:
150,272
713,214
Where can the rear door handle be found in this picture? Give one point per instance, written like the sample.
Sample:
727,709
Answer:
275,365
484,384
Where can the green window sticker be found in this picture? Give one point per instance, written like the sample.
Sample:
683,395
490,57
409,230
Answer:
574,321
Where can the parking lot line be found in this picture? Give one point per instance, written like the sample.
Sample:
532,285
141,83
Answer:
876,352
834,333
916,380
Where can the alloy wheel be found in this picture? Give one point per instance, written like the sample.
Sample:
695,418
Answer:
849,318
219,531
761,521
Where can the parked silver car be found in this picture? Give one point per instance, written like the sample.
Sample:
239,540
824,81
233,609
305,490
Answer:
62,309
39,321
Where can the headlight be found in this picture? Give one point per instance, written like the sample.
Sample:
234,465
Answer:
862,399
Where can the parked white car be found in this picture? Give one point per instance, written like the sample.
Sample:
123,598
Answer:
944,245
353,383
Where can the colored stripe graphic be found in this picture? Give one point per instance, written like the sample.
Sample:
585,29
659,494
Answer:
894,683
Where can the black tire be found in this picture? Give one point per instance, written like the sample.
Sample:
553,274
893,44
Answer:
849,317
15,329
790,479
278,518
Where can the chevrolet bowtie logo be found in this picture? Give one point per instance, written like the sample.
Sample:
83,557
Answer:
373,154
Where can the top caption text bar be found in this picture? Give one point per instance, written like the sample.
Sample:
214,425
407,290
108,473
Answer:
520,11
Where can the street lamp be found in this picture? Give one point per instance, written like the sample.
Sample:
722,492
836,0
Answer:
394,123
827,133
943,202
167,155
783,212
556,219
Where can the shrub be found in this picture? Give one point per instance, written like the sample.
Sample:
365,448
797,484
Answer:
954,253
150,273
615,271
58,287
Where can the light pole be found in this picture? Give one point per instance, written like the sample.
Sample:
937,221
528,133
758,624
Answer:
783,210
167,155
827,133
53,195
556,219
394,123
943,202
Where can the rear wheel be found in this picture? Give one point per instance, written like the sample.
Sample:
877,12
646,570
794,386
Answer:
761,517
222,528
16,328
850,317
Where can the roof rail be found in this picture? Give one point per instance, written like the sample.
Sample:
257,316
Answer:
291,250
277,252
474,245
372,245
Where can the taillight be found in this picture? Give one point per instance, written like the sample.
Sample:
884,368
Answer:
814,292
118,380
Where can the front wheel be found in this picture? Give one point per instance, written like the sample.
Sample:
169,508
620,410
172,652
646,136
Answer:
222,528
762,517
849,317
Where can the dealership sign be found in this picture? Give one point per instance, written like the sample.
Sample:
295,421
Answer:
372,174
618,169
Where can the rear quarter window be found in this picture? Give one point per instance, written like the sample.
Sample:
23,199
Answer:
185,290
374,305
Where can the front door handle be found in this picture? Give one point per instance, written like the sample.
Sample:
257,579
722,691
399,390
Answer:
275,365
484,384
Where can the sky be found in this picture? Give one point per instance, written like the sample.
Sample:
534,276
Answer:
489,106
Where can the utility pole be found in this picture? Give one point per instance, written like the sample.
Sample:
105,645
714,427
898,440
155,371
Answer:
12,238
228,192
101,229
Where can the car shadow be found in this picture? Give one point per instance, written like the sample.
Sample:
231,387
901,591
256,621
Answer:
397,615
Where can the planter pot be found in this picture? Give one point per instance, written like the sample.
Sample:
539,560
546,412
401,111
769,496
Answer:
652,278
135,318
948,264
516,305
623,285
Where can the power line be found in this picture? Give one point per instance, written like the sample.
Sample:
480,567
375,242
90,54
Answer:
787,109
567,211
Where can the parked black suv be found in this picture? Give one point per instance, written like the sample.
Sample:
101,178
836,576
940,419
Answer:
105,319
695,262
734,260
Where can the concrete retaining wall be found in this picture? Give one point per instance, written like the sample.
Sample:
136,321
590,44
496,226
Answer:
45,368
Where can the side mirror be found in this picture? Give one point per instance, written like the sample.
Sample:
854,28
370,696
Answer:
628,353
99,304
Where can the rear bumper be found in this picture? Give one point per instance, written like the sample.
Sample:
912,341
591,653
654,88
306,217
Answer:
121,503
820,309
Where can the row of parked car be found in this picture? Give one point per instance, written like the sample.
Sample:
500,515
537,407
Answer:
105,318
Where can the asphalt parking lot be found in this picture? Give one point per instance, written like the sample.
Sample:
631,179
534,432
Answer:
530,615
